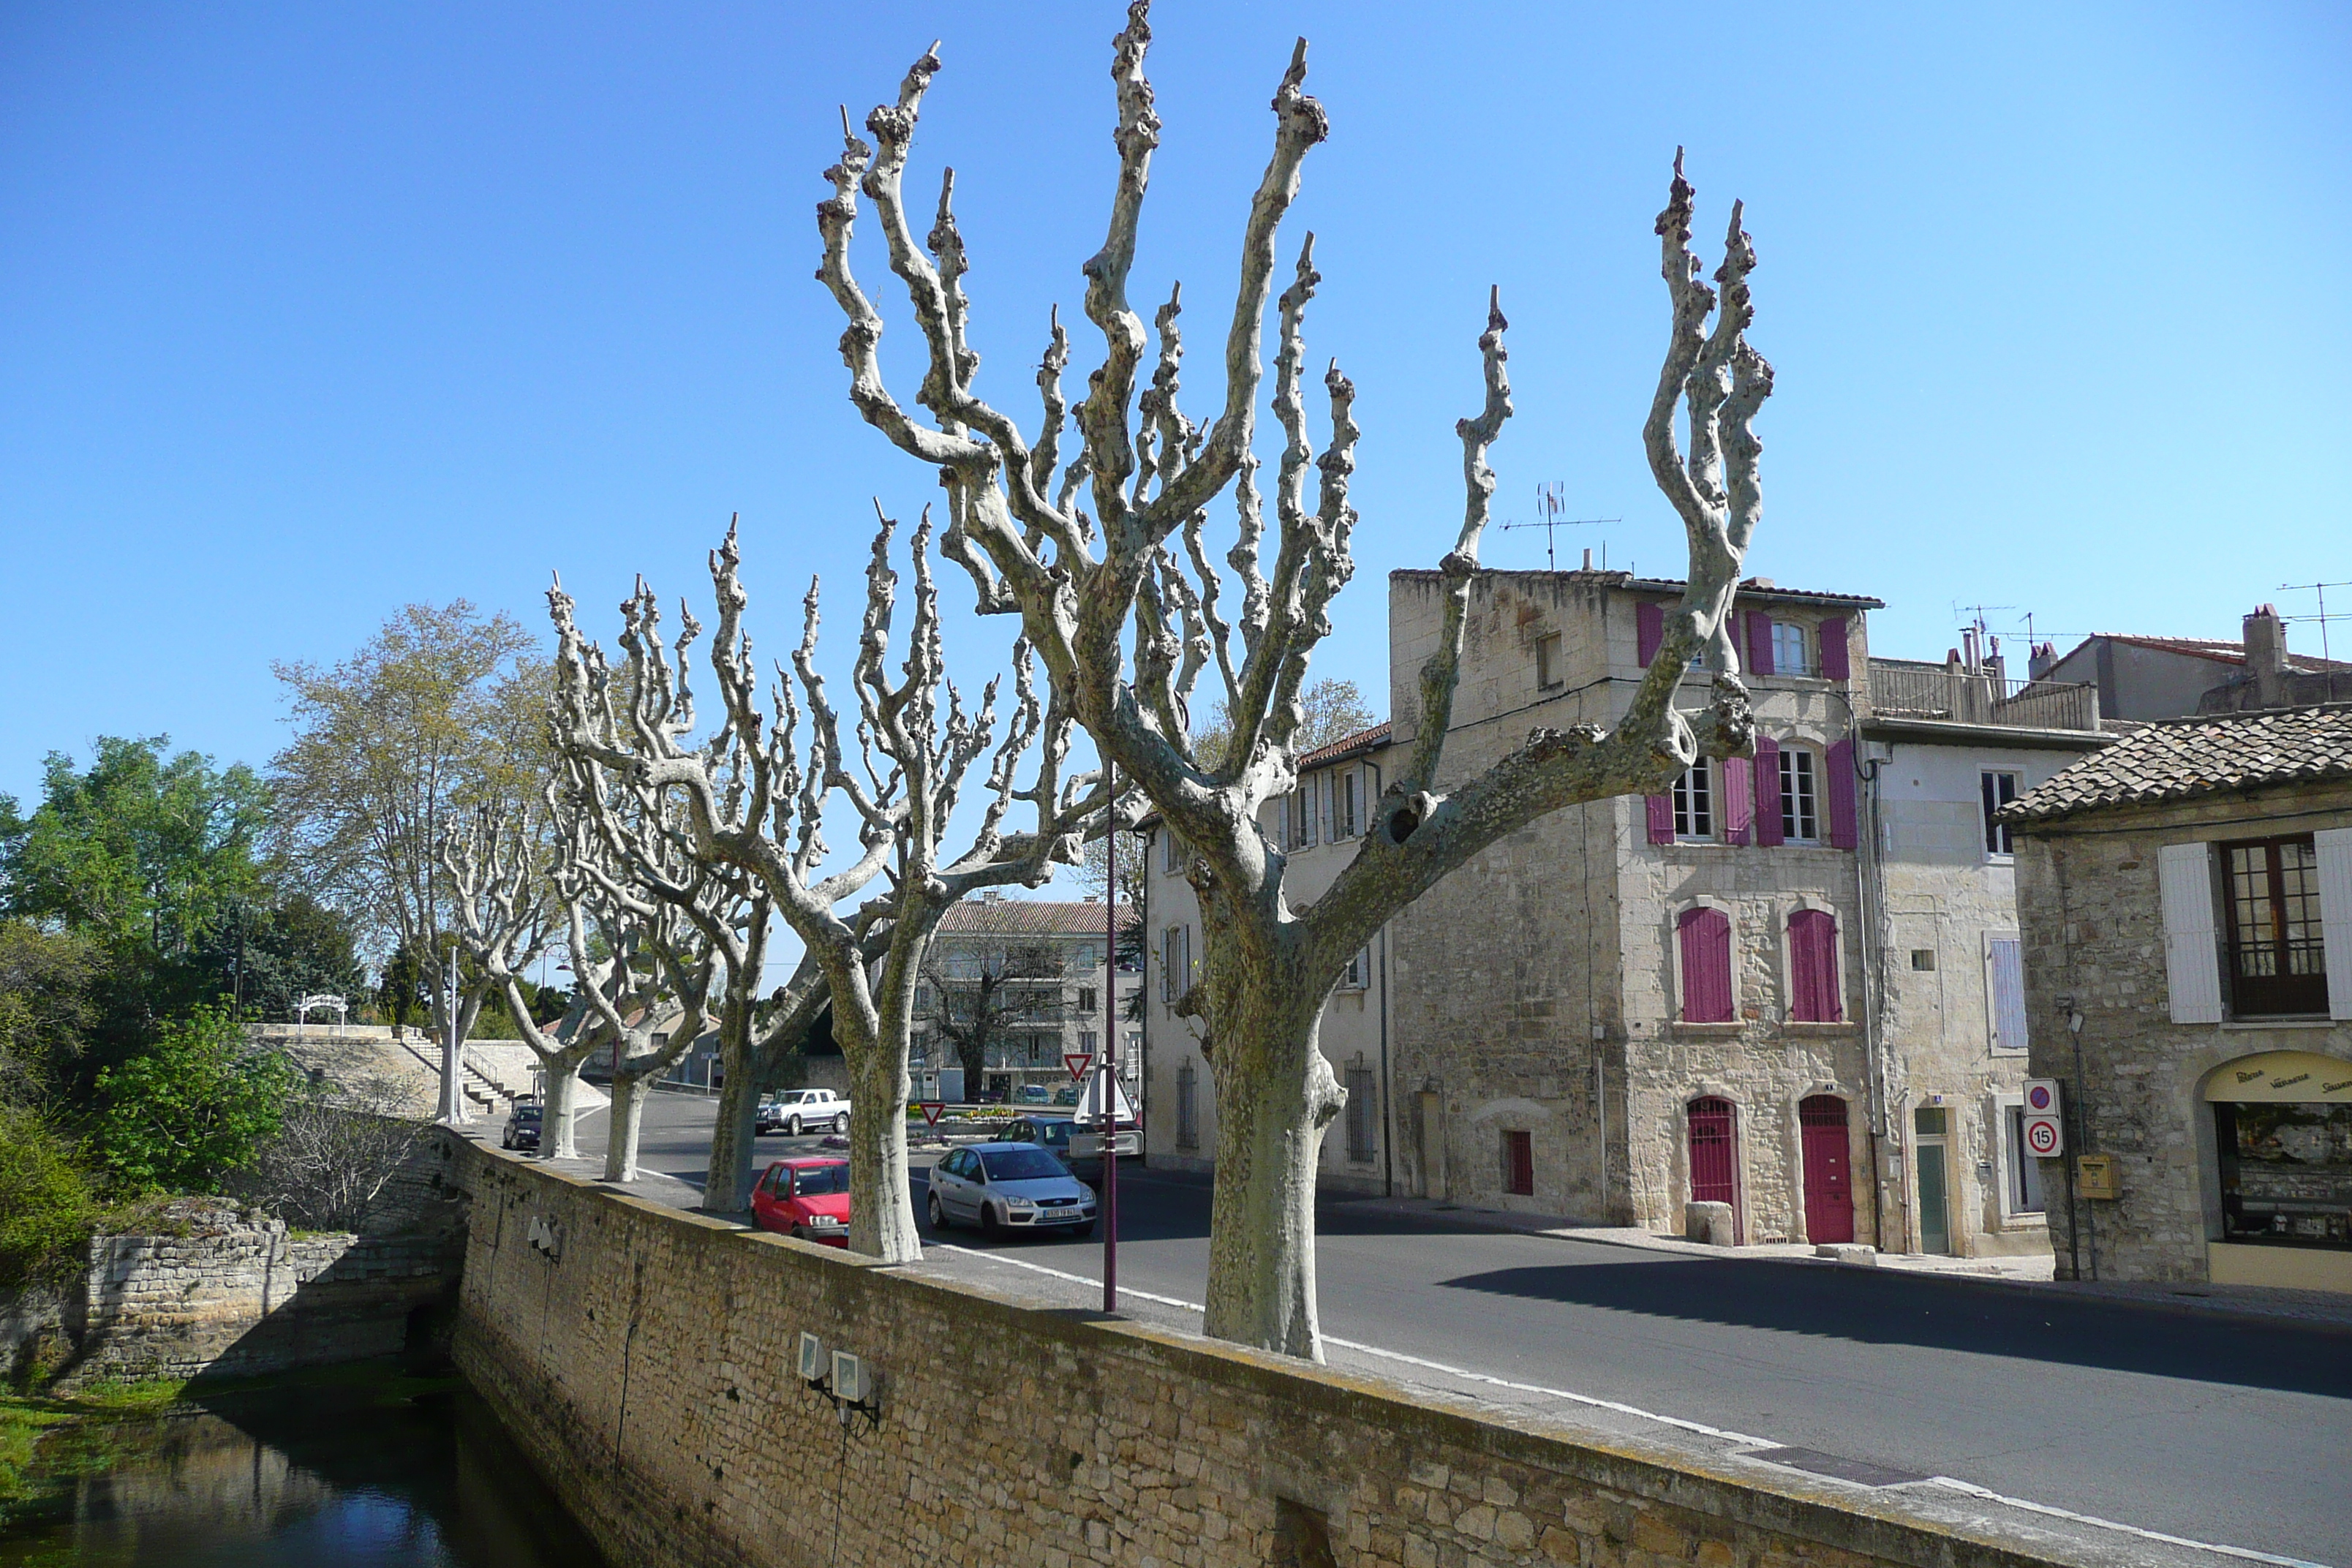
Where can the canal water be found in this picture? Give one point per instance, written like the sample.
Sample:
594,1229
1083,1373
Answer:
367,1469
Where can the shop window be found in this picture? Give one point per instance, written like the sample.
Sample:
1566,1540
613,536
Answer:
1519,1164
2277,962
1801,815
1694,801
2286,1173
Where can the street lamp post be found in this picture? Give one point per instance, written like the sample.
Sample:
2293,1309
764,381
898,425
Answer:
1106,1104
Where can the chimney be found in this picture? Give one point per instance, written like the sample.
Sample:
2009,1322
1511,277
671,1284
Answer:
2041,661
2267,665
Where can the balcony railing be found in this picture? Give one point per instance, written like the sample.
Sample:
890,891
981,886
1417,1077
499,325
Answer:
1902,690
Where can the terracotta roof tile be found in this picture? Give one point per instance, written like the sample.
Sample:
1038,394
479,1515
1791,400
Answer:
1028,917
1362,741
2181,759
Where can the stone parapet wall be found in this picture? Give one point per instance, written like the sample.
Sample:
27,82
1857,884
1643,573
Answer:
645,1359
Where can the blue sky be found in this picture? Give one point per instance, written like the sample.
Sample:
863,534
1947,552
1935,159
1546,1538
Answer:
308,311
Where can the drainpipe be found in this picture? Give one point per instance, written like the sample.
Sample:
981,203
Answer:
1388,1095
1867,873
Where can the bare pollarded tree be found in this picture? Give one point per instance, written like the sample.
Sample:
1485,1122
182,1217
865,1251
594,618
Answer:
1109,548
754,794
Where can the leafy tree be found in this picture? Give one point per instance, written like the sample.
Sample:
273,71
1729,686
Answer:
47,1208
276,953
47,979
192,1107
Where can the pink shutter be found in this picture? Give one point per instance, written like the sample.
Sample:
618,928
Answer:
1738,799
1833,650
1767,790
1812,968
1759,643
1705,937
1661,818
1649,631
1840,763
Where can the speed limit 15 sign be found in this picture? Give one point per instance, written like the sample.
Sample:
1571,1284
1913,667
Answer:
2041,1128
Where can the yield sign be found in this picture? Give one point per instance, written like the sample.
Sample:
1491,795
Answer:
931,1110
1077,1062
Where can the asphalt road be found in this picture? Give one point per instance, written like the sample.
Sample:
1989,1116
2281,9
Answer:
2213,1429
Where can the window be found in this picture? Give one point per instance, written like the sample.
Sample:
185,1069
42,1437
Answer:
1175,962
1087,1041
1363,1117
1085,956
1792,649
1704,939
1547,670
1300,813
1694,801
1343,805
2277,963
1801,815
1519,1164
1171,853
1922,959
2023,1187
1358,972
1813,990
1188,1111
922,998
2286,1173
2000,789
1086,998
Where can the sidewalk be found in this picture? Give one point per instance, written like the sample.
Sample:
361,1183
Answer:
2027,1275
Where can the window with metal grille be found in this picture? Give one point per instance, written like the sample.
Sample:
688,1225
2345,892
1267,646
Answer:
1188,1110
1363,1117
2277,960
1519,1164
2000,789
1801,815
1694,801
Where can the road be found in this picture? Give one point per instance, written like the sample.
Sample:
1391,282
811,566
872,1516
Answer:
2204,1427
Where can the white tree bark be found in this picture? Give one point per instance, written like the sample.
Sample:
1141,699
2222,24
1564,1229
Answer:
1121,603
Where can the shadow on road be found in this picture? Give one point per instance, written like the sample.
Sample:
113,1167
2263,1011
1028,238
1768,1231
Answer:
1874,1308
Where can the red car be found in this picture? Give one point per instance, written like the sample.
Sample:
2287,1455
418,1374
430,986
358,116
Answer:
808,1198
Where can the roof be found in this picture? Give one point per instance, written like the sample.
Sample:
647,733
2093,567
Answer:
2182,758
1754,589
2213,648
1029,917
1362,741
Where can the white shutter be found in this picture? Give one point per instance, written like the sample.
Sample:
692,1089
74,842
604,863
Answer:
2192,970
2005,975
2335,846
1314,788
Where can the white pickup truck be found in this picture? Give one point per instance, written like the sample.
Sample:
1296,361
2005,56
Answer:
799,1111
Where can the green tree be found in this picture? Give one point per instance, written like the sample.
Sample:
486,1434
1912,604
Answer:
47,1208
279,951
192,1107
46,981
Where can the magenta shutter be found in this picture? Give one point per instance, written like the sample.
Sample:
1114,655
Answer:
1767,790
1759,643
1661,818
1812,968
1840,763
1834,666
1738,799
1705,937
1649,631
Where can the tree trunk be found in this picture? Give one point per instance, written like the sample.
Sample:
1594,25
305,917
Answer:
556,1140
882,1216
622,1126
1275,1095
727,1184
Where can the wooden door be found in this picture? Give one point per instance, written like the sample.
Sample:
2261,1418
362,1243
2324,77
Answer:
1829,1173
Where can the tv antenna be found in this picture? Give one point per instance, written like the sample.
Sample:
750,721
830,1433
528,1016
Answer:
1551,513
2323,618
1975,636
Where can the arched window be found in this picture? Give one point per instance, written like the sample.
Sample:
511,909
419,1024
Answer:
1813,968
1704,939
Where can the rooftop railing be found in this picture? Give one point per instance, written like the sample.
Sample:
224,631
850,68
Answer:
1900,688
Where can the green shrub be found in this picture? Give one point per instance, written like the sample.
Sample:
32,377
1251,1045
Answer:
191,1108
47,1210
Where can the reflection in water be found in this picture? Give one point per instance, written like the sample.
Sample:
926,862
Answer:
336,1477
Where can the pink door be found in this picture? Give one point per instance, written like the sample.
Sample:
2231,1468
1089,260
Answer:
1829,1173
1714,1128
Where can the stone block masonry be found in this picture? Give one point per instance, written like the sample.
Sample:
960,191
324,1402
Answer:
645,1359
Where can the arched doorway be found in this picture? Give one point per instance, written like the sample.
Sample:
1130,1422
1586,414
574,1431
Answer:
1714,1129
1829,1169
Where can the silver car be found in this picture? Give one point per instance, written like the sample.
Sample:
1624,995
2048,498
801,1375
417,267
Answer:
1009,1187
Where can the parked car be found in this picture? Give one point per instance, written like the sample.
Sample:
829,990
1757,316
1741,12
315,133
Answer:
522,1127
1034,1094
1074,1144
808,1198
800,1110
1009,1187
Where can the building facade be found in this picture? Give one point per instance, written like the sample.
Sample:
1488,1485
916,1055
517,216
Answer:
2186,899
1028,981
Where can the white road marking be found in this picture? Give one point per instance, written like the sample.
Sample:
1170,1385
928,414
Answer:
1950,1483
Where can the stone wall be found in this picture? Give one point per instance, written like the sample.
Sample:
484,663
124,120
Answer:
2093,917
645,1359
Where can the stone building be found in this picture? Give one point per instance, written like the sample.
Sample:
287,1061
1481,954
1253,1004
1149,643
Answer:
1790,971
2185,898
1030,975
2168,678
